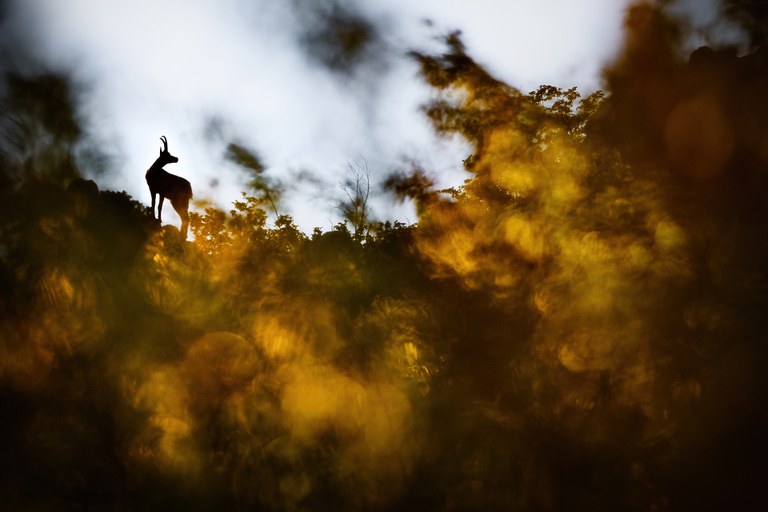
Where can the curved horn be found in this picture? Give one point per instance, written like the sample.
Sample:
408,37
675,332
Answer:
165,142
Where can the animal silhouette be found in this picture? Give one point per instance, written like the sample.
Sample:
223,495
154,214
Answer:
167,185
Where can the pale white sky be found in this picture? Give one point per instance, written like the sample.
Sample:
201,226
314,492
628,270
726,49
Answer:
208,72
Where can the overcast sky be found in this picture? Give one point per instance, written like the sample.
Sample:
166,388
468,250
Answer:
262,73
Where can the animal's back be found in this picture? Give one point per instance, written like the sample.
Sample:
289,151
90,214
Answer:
169,185
187,188
181,192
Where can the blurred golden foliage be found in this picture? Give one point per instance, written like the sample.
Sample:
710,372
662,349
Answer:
580,326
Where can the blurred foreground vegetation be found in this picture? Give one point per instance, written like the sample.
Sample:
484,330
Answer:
581,326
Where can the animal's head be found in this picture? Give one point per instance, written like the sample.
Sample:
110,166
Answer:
165,156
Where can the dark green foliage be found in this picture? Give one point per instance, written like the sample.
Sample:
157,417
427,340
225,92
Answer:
337,36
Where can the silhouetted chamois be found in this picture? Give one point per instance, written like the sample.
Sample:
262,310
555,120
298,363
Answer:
175,188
